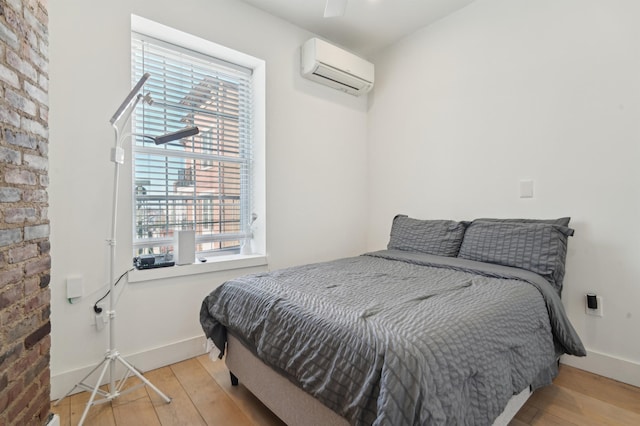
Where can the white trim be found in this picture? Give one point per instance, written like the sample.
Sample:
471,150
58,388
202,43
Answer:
615,368
259,79
144,361
189,41
54,421
213,264
513,406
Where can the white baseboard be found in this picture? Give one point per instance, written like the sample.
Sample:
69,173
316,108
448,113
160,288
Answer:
54,420
606,365
146,360
603,364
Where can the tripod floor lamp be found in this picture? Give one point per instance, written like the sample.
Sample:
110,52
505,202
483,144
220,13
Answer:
112,356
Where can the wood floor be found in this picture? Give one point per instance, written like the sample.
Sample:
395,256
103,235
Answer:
202,395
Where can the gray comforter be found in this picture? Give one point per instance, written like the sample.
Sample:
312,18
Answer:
397,338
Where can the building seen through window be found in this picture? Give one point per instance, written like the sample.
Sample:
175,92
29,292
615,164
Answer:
201,182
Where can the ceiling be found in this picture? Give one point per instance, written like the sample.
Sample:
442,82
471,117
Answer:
368,25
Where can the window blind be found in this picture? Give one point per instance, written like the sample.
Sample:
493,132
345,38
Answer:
201,182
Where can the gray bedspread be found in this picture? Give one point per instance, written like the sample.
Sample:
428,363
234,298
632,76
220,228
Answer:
398,338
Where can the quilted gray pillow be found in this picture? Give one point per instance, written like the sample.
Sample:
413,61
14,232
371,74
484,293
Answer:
535,246
439,237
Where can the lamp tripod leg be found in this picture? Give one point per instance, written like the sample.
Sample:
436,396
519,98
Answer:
144,380
107,361
80,384
114,391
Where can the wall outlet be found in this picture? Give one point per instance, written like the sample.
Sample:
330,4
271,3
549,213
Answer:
595,312
99,320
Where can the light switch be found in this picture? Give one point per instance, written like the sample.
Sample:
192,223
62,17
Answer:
526,188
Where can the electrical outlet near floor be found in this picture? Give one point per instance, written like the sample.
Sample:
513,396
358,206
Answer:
595,312
99,320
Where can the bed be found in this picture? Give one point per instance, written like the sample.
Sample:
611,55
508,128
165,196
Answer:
446,326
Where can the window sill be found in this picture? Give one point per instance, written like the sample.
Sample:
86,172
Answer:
213,264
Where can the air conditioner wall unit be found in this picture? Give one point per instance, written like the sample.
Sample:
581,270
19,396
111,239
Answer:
332,66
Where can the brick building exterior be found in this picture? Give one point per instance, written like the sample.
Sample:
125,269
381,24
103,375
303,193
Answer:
25,261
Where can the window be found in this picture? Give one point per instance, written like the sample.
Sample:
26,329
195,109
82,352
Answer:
203,182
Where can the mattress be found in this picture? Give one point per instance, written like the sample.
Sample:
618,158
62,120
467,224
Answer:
296,407
399,338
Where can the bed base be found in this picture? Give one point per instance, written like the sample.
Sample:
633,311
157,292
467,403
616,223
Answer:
296,407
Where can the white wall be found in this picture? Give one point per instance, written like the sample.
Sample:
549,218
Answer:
505,90
502,90
315,167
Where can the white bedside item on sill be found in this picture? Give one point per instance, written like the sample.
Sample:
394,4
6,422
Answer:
184,246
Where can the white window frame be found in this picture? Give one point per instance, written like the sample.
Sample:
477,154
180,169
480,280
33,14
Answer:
256,255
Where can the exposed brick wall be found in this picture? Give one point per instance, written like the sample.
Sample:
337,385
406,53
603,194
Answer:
25,262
